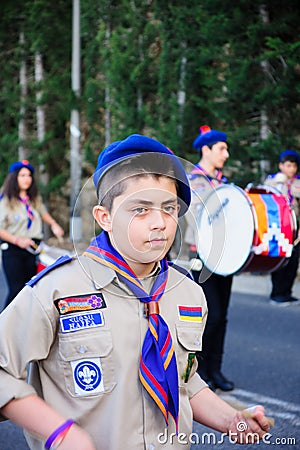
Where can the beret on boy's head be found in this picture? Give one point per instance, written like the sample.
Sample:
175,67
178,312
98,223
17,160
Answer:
19,165
208,137
289,153
137,144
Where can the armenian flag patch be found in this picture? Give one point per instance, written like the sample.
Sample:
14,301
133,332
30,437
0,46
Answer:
190,313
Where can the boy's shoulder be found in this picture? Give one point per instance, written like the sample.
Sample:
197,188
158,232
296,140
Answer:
59,262
272,175
180,269
76,271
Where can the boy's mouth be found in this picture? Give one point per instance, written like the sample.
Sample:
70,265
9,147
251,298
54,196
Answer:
157,241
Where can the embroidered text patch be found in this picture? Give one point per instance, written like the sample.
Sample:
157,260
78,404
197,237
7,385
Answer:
76,322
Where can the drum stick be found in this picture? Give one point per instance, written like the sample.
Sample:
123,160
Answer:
248,413
296,241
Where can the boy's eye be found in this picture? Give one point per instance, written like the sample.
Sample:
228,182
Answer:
140,210
170,209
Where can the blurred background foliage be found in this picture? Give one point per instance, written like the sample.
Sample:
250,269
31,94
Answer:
160,68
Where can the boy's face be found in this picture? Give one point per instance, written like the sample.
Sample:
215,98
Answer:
217,155
289,168
143,220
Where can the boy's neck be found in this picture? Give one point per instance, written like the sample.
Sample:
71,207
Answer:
209,168
142,270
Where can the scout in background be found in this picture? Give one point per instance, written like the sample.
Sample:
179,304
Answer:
206,176
111,335
22,213
287,181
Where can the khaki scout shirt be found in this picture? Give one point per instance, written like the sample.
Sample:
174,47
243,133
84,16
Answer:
13,218
105,397
274,180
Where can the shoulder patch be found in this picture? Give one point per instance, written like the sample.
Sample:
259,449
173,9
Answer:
59,262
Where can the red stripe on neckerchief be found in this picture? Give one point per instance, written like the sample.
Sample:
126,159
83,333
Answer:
289,190
198,170
30,215
158,368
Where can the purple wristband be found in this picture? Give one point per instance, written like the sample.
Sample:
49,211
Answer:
65,426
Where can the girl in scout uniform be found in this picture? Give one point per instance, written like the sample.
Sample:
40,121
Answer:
112,335
21,215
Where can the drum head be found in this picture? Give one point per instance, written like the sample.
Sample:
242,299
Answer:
226,228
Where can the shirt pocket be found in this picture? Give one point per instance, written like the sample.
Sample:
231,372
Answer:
189,340
88,363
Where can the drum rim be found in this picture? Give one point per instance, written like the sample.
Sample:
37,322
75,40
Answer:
255,190
254,222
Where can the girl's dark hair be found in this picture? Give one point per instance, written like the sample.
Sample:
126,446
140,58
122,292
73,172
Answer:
11,187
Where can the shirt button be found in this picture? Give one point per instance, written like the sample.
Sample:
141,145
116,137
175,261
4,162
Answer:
151,447
82,349
197,342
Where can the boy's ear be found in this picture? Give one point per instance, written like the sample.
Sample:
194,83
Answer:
102,217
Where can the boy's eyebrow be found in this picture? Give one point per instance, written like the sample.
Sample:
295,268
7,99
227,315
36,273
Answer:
149,203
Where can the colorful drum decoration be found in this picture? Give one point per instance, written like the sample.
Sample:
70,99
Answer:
239,231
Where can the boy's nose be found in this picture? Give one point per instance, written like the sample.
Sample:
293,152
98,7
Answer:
157,219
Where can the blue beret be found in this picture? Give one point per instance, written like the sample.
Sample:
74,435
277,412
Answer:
137,144
208,137
292,153
19,165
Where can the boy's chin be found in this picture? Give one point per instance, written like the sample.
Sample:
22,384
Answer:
154,257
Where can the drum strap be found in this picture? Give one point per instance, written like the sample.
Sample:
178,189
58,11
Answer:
198,170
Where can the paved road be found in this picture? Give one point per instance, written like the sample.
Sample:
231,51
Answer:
262,357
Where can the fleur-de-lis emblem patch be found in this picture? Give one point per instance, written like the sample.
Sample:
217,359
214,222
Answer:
87,376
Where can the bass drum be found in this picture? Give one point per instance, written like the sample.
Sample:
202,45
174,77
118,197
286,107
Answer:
245,230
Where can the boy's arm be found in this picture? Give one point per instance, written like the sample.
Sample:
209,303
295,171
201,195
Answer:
210,410
37,417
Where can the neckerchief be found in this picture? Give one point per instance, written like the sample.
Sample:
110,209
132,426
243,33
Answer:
289,190
158,368
198,170
30,215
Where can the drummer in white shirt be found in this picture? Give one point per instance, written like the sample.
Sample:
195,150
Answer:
206,176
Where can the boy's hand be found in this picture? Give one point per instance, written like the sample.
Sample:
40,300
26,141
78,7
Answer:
77,439
249,426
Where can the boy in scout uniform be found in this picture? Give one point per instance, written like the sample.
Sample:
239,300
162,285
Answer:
287,181
204,178
111,336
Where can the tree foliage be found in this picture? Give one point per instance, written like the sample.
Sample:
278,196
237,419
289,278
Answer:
162,68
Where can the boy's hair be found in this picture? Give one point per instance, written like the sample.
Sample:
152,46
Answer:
291,156
114,181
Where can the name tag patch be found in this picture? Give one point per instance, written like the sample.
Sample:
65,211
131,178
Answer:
87,376
190,313
80,303
82,321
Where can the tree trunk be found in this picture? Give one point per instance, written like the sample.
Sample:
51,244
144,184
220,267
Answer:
264,120
22,152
